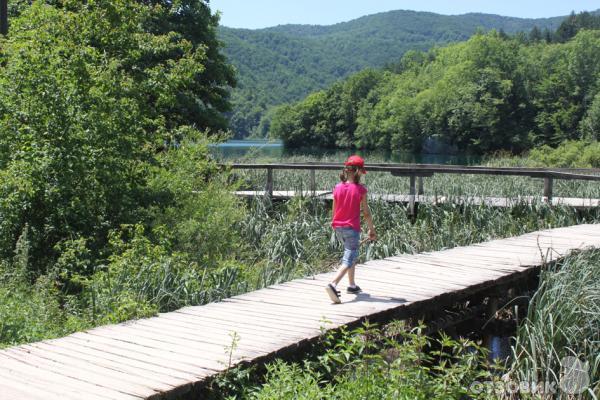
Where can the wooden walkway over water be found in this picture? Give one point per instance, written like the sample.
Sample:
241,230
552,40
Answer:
505,202
172,354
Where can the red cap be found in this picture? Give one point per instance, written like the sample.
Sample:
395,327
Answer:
356,161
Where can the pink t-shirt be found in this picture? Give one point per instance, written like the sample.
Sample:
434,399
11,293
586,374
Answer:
347,198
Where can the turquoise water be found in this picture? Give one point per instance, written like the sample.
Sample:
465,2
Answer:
251,150
242,150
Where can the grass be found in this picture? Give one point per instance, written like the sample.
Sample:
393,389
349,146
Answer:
294,237
563,321
372,363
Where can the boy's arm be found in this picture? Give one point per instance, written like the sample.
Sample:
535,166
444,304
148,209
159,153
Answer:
332,208
368,217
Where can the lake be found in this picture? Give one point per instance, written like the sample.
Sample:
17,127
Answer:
251,150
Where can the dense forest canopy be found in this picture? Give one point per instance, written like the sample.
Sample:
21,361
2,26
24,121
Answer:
492,92
285,63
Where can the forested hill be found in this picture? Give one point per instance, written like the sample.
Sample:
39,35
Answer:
285,63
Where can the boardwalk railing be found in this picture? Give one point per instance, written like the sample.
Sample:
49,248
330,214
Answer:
418,171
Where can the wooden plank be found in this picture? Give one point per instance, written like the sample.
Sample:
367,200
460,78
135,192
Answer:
259,339
308,295
490,201
394,275
193,356
186,362
466,266
431,274
277,306
454,275
317,302
383,291
229,326
233,324
198,347
246,318
153,359
319,287
293,308
56,382
473,261
235,309
10,389
88,372
12,382
208,339
211,334
461,271
118,362
382,299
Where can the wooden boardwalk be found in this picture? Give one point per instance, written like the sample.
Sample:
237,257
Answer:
578,203
166,356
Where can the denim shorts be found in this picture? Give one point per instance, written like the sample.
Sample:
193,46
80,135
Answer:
351,239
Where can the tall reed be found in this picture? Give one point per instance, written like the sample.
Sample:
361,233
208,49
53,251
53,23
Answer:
563,320
297,233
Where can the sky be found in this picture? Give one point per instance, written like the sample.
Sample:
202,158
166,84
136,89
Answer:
254,14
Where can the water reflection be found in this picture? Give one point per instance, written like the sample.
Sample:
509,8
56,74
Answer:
500,347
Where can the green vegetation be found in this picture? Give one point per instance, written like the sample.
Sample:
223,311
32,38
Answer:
563,320
110,207
285,63
489,93
569,154
368,363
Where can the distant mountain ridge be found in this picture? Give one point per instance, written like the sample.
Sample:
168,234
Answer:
510,24
285,63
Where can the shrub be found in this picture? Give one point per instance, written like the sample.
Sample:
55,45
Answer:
364,363
569,154
563,320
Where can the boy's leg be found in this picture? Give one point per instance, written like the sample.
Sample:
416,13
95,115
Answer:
342,270
351,272
348,260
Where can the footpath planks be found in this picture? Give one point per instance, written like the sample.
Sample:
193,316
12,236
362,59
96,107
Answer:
165,357
503,202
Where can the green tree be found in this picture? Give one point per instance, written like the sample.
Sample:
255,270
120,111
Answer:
87,94
565,83
535,35
574,23
590,124
203,100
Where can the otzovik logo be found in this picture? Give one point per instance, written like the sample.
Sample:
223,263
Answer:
574,376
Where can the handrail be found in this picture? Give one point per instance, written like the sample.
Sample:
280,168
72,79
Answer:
419,171
430,169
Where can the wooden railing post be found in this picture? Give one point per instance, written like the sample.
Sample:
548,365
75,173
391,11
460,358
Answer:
421,191
4,17
269,185
411,196
313,182
548,183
